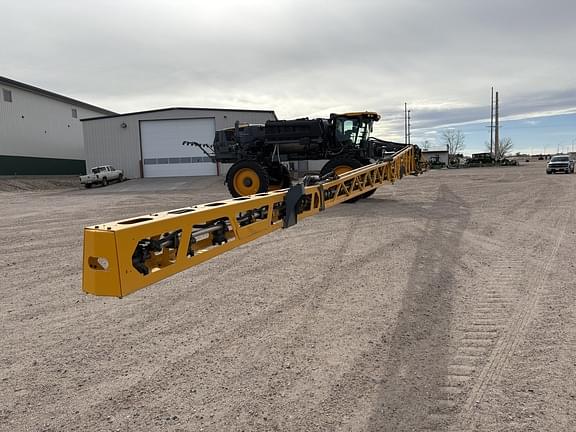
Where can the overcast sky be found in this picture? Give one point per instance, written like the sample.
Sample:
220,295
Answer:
301,58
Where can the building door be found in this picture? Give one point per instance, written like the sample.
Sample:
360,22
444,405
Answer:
164,155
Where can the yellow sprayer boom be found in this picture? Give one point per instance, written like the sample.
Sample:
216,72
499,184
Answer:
124,256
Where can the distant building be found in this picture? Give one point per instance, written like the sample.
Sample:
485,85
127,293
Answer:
436,156
149,143
40,131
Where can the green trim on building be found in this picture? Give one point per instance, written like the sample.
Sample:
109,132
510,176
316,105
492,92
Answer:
24,165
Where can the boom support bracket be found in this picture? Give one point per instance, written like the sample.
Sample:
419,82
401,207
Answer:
293,201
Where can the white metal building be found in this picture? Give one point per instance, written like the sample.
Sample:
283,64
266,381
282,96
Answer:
436,155
149,143
40,131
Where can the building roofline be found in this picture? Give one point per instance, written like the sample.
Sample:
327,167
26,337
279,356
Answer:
52,95
435,150
180,108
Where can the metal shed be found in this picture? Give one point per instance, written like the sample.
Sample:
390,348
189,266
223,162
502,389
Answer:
149,143
40,131
437,156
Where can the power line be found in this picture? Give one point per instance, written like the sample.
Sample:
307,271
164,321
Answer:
405,123
497,132
408,126
492,120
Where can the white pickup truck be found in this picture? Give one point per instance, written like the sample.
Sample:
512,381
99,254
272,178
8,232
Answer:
101,175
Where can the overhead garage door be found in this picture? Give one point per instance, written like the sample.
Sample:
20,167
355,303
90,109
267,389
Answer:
163,153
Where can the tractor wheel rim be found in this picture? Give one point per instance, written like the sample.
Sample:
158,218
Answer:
246,182
341,169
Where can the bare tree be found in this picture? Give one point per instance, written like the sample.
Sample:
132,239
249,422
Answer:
504,149
454,139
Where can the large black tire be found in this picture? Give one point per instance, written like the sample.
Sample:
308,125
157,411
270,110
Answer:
340,162
104,181
247,177
120,178
371,192
279,177
88,185
340,165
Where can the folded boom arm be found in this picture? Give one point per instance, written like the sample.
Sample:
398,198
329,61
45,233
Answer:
124,256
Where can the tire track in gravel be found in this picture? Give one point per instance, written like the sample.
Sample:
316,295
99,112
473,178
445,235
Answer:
489,319
515,327
507,344
475,340
541,381
485,319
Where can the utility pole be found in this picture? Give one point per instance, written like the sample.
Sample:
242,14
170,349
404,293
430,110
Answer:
497,134
408,126
405,123
492,122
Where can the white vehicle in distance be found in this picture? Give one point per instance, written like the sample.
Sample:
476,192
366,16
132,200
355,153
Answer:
102,175
560,163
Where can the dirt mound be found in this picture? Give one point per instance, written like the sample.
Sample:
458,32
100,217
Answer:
34,183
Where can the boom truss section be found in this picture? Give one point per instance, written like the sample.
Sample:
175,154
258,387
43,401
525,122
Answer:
124,256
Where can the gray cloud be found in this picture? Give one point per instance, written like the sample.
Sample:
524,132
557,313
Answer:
301,57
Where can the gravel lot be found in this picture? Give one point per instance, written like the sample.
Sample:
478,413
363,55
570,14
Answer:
445,302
